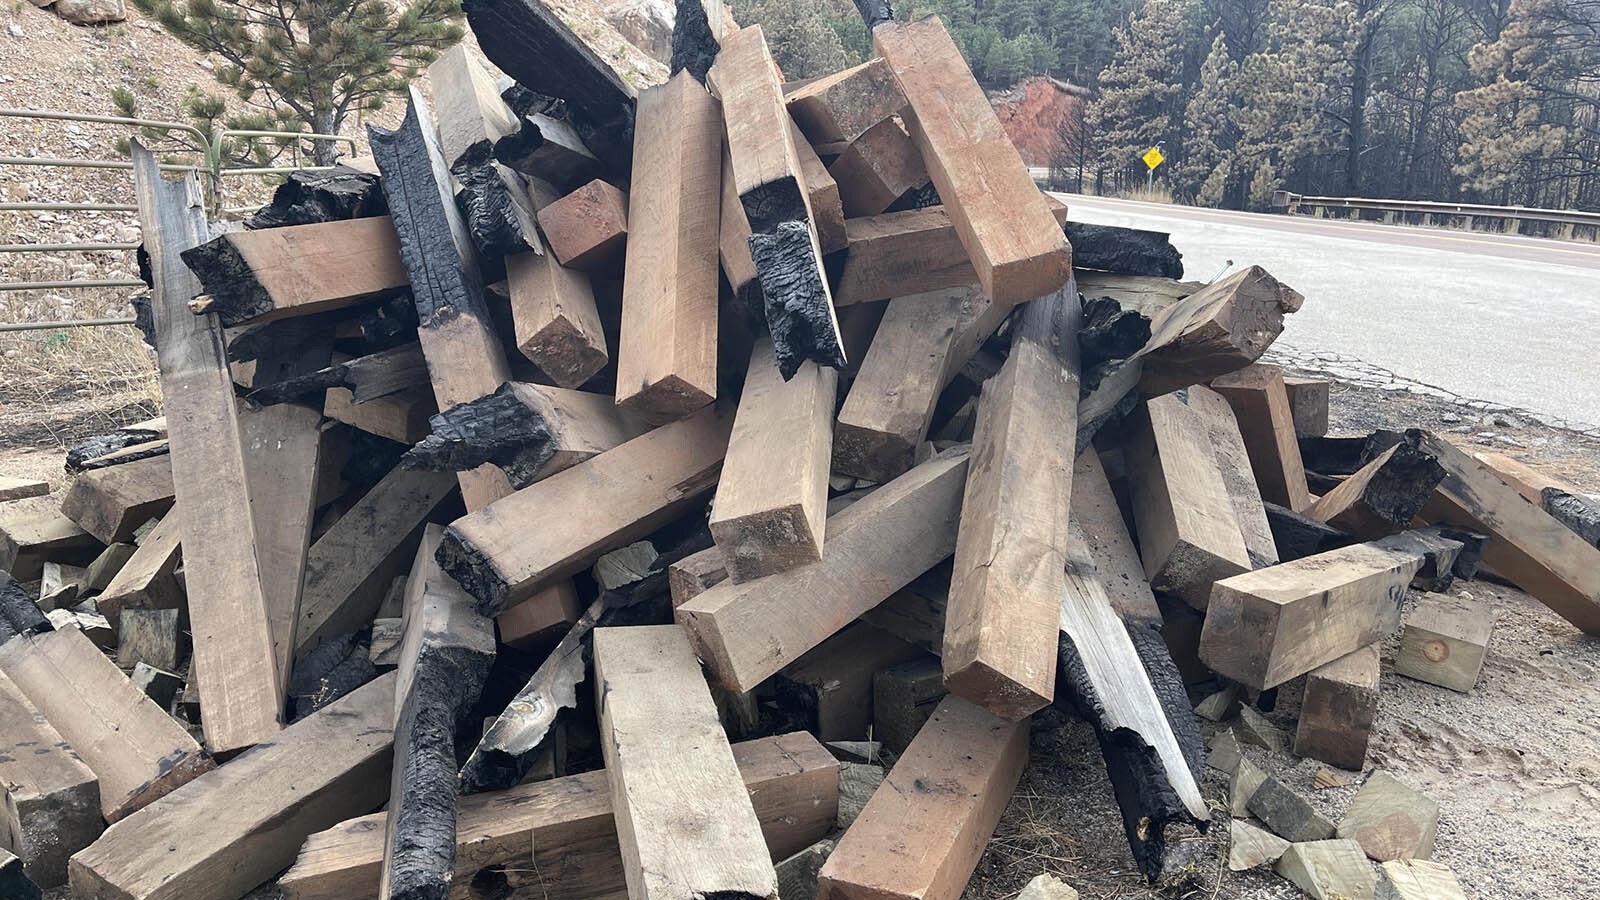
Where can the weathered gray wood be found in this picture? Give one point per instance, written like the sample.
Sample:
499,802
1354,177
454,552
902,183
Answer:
228,614
51,799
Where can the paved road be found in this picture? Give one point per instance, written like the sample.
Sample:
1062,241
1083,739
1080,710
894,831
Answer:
1510,320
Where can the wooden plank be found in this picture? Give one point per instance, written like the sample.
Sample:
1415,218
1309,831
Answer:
695,574
110,503
775,193
1100,663
922,342
667,355
537,623
1238,476
401,417
770,506
445,657
149,636
899,253
20,488
297,270
822,192
135,749
51,799
733,246
1529,548
1308,403
921,834
747,632
1214,331
1015,246
349,568
530,431
587,230
548,149
877,169
1261,403
842,106
1145,294
1003,614
1340,705
1189,534
830,687
1265,627
28,539
457,334
367,377
1384,495
502,554
684,819
792,780
1097,518
222,835
471,115
146,580
233,642
557,325
1444,641
1418,879
282,445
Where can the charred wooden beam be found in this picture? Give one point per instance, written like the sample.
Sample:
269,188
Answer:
465,359
772,188
307,198
697,28
1385,495
1124,251
530,431
528,41
367,377
18,613
445,658
298,270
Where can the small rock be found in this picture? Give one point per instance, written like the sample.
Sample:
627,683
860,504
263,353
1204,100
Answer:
1329,870
1390,820
91,12
1327,778
1250,846
14,29
1288,814
1255,730
1048,887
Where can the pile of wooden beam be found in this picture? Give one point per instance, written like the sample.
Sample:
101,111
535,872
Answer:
534,499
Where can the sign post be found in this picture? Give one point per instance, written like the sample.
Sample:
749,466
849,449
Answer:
1152,158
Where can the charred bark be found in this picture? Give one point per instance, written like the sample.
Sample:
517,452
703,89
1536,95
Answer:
308,198
499,429
1125,251
799,313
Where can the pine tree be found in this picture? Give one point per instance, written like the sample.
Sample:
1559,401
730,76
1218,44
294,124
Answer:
1141,94
804,34
1208,147
1289,123
319,60
1530,123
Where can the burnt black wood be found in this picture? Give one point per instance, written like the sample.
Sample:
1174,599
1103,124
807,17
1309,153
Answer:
527,41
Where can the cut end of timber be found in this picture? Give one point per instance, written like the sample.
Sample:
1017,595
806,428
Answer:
799,310
666,400
764,544
226,278
998,693
473,571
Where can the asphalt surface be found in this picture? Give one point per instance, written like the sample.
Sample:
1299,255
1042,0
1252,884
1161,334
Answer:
1506,319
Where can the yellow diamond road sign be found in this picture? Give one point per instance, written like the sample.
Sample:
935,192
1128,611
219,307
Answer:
1153,158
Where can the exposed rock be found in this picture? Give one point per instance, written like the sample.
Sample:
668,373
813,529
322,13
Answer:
1391,821
1250,846
91,12
1036,114
1048,887
646,24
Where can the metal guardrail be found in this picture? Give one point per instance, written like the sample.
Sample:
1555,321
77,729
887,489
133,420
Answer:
212,168
1511,215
